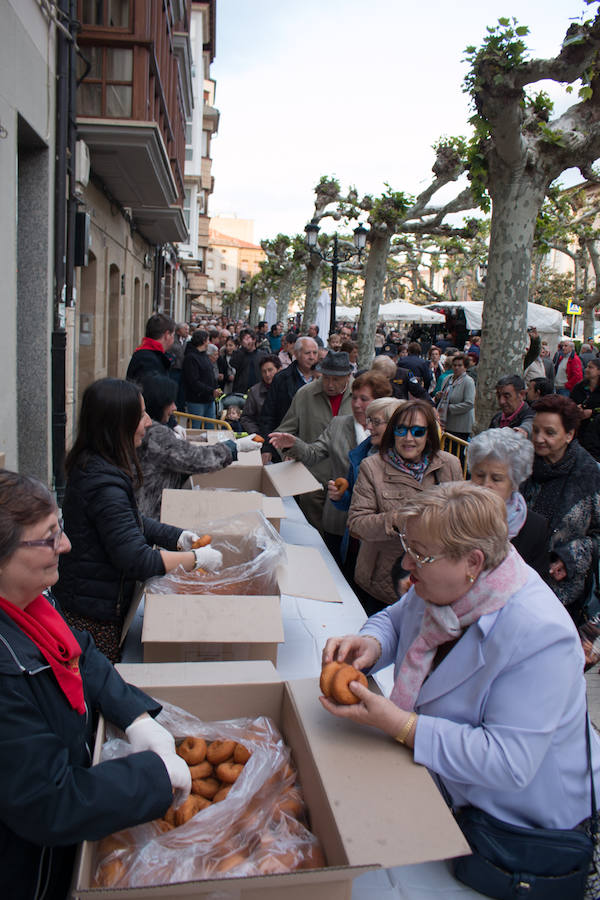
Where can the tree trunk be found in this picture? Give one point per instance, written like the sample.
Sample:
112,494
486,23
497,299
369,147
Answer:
284,296
372,296
517,197
313,289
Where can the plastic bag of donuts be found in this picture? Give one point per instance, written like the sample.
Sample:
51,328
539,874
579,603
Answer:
252,552
245,815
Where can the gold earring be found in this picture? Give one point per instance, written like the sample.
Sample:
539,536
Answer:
470,579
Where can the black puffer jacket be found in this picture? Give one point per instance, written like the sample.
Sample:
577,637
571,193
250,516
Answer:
146,363
111,542
50,798
199,380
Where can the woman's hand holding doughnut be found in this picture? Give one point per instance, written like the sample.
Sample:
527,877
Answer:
360,651
332,491
372,709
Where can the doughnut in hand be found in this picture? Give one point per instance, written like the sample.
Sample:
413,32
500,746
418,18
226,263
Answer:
341,485
340,691
203,541
327,673
192,750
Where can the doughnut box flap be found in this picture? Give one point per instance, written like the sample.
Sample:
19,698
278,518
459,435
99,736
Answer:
283,479
199,628
192,509
367,803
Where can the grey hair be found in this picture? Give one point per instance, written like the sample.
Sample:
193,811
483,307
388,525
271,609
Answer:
305,337
212,348
506,446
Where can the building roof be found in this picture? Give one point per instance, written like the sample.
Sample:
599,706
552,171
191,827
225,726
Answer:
217,237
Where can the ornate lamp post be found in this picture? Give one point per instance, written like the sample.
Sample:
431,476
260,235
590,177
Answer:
335,258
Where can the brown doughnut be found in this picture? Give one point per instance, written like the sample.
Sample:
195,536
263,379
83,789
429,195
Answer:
221,794
229,772
219,751
110,873
327,673
258,439
192,750
202,770
241,754
313,858
231,861
188,809
291,804
203,541
341,484
205,787
340,692
169,817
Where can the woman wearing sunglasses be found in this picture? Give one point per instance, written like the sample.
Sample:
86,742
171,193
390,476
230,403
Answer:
53,684
488,691
409,461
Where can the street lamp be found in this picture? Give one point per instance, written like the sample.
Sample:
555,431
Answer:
360,242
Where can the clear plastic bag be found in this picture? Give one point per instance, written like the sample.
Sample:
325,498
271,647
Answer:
252,553
258,829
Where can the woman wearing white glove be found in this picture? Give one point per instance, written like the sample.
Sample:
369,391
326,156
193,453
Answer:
245,444
145,733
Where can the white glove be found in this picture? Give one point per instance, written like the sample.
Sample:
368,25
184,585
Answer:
207,558
145,733
186,539
246,443
179,432
181,779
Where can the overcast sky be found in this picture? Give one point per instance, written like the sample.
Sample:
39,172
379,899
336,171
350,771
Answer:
355,89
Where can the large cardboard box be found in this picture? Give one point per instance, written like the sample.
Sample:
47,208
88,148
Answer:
192,509
368,803
283,479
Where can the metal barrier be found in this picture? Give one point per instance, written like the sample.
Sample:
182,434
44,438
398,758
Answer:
185,419
457,447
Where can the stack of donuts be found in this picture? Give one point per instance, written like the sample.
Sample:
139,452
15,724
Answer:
265,833
335,681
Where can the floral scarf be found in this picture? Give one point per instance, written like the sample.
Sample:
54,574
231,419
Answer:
440,624
417,469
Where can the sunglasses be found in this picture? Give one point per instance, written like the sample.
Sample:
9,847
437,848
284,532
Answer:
417,431
52,542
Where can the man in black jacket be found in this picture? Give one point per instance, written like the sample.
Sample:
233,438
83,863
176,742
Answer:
199,380
415,363
151,358
283,388
246,362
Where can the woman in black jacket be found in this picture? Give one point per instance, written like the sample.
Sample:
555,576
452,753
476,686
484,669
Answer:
586,394
113,545
53,684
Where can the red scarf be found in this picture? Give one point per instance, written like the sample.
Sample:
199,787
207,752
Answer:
151,344
506,420
336,402
56,642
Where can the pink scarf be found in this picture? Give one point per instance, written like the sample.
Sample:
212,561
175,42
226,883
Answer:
489,593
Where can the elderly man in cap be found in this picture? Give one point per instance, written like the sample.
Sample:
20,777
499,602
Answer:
311,410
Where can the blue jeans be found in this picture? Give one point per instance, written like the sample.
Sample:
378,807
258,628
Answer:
203,409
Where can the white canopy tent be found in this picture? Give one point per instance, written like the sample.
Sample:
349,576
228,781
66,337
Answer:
548,321
403,311
271,312
347,313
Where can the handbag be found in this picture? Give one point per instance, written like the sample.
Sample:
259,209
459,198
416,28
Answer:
510,861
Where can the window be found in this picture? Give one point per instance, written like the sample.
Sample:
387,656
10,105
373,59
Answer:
189,150
106,13
224,266
107,89
187,201
209,264
223,284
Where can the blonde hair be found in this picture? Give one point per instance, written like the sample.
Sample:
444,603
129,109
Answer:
460,517
383,405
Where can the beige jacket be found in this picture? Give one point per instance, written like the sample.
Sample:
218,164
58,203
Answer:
379,492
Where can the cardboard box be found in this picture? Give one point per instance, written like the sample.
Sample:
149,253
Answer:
191,628
232,625
368,803
192,509
283,479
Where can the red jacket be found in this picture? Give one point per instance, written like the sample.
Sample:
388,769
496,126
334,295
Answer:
574,370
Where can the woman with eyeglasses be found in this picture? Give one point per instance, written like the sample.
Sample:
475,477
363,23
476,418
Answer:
456,400
488,691
113,545
53,684
409,461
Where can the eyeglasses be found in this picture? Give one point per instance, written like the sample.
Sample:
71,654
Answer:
417,431
418,558
53,542
375,422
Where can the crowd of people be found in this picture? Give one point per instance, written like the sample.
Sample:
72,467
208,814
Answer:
474,567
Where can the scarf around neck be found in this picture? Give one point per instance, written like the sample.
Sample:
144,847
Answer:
516,513
440,624
56,642
506,420
416,469
447,388
151,344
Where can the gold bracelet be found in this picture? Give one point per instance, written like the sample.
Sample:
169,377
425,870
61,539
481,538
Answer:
408,727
